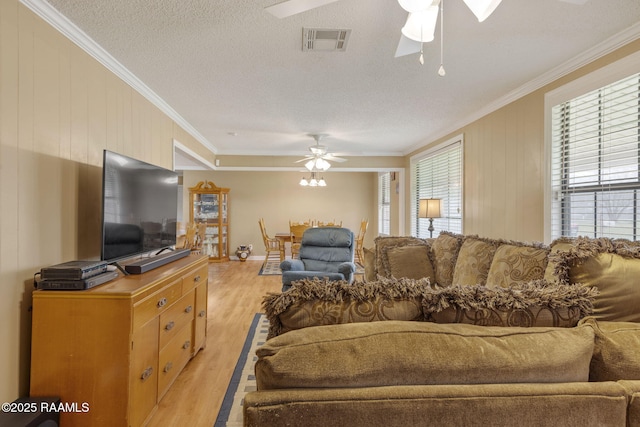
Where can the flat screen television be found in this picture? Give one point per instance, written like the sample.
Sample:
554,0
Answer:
139,207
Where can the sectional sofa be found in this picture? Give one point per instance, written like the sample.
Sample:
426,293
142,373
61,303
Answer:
459,330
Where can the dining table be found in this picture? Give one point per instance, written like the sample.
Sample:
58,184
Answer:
282,239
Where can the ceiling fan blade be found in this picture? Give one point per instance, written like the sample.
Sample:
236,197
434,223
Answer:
293,7
304,159
331,158
406,46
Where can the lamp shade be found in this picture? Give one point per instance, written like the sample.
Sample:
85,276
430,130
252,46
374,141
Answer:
429,208
482,8
421,25
415,5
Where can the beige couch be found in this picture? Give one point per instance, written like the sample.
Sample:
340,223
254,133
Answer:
435,336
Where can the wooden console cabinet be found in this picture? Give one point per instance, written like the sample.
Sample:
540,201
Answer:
111,353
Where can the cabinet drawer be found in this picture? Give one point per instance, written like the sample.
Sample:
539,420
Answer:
200,324
176,317
195,278
173,357
156,303
143,381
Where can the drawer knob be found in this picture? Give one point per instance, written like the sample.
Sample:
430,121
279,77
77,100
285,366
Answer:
188,309
162,302
202,313
197,278
146,373
170,326
186,345
168,366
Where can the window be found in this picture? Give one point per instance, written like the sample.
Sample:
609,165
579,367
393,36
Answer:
595,163
437,174
384,203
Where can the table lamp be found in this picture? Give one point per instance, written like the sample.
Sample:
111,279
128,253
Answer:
429,208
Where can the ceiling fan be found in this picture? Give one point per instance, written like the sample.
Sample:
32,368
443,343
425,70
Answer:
319,158
420,25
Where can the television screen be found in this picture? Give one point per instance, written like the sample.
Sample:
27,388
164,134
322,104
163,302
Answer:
139,207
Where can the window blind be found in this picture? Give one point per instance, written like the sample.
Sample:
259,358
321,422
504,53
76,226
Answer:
595,173
384,203
438,175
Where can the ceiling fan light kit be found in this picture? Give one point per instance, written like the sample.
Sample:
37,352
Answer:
421,25
482,8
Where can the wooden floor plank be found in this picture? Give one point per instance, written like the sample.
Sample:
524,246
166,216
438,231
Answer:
235,295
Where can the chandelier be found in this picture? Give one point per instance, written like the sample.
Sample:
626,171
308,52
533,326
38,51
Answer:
313,181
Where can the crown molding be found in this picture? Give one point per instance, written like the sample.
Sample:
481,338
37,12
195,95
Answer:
613,43
67,28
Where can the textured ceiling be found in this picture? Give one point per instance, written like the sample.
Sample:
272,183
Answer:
239,75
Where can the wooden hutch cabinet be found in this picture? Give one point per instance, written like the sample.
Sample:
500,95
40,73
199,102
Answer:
209,204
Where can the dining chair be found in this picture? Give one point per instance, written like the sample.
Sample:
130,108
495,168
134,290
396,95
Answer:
296,231
330,224
271,244
359,255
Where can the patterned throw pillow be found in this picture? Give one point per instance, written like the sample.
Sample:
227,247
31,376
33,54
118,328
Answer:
514,264
536,303
316,302
445,249
474,261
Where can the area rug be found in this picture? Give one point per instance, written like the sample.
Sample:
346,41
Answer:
272,268
243,379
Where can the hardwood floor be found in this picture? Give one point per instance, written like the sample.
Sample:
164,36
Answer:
235,295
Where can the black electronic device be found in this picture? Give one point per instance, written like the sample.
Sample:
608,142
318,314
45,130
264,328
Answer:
139,207
145,264
76,285
73,270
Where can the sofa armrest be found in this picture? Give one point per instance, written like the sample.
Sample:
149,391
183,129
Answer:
292,265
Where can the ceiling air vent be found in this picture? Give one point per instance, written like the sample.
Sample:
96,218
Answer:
324,39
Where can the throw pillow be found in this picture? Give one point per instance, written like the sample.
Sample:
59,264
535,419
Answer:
616,355
383,243
315,302
613,266
474,261
411,262
369,264
517,263
445,249
557,248
535,303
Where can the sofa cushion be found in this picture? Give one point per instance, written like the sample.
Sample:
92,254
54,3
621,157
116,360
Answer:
445,249
411,262
517,263
613,266
314,302
411,353
474,261
616,355
537,303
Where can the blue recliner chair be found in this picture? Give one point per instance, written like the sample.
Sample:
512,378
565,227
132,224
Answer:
325,252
